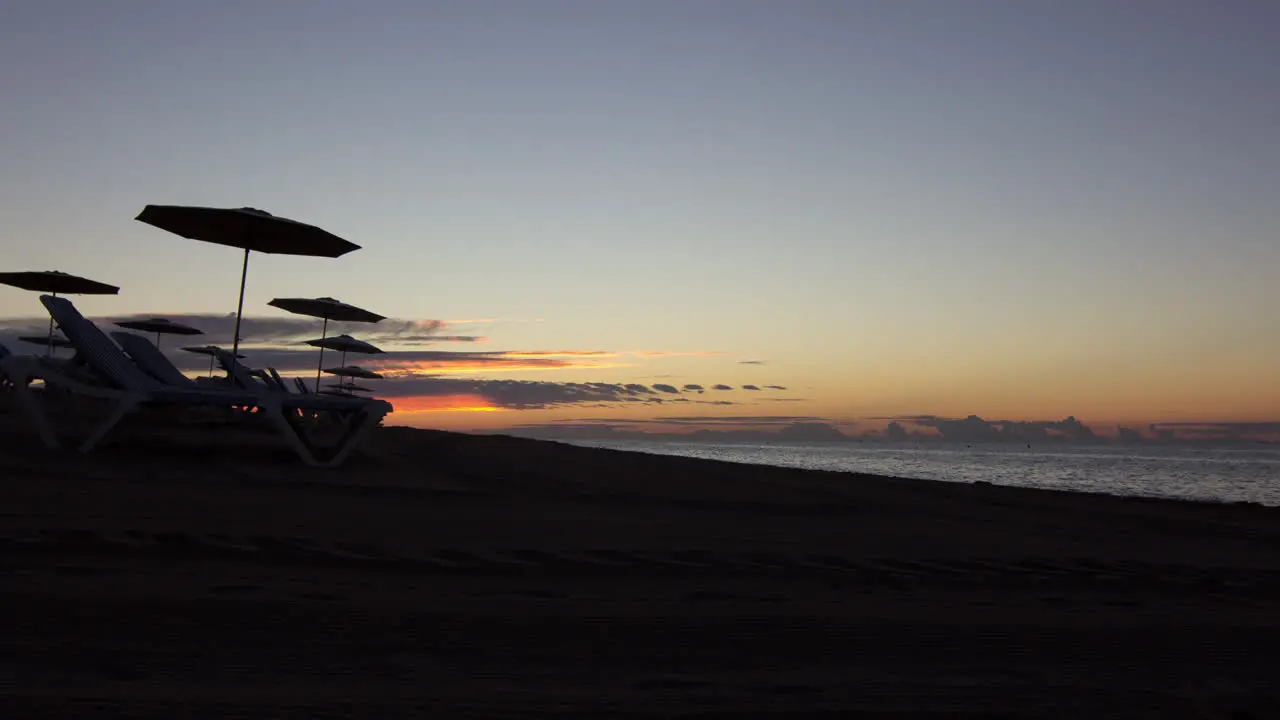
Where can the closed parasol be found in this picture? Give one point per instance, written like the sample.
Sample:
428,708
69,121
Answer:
56,283
327,309
249,229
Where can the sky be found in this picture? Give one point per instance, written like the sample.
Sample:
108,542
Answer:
884,209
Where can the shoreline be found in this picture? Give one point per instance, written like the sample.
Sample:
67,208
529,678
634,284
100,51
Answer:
503,576
941,449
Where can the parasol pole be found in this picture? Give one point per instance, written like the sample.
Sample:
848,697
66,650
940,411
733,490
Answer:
50,351
324,331
210,364
235,342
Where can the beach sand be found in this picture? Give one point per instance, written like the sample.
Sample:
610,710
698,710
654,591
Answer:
502,577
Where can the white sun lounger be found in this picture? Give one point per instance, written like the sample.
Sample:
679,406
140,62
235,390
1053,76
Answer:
129,389
151,360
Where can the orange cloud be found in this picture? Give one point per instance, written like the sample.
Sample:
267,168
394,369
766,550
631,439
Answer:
672,353
558,353
445,403
513,362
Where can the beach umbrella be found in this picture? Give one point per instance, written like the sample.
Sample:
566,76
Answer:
56,341
352,372
327,309
345,344
210,350
56,283
348,389
249,229
160,326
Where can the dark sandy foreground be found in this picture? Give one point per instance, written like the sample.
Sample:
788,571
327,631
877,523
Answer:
510,578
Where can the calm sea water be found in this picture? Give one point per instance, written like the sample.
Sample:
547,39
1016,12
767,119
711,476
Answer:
1226,474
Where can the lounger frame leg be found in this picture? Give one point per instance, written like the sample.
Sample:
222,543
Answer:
119,411
357,424
35,414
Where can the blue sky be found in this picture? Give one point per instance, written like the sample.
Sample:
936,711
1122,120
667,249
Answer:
900,204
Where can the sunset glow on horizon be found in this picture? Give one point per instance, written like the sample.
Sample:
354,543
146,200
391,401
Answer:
619,213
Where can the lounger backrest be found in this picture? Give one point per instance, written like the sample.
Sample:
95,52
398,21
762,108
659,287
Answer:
266,380
151,360
302,385
280,384
104,356
243,375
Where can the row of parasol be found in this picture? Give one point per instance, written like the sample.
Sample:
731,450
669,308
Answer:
248,229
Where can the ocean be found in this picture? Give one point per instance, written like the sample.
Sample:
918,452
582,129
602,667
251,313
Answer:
1216,473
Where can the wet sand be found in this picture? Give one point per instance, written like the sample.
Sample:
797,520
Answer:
501,577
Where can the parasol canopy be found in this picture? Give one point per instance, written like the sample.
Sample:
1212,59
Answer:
249,229
160,326
56,282
210,350
354,371
350,388
328,309
346,344
56,341
351,372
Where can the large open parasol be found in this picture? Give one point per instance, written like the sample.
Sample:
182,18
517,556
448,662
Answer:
160,326
328,309
345,344
351,372
56,283
249,229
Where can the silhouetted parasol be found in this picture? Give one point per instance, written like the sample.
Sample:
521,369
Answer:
249,229
56,283
56,341
328,309
348,389
160,326
210,350
346,344
352,372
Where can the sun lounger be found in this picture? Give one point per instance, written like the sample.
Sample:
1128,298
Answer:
128,388
279,381
241,375
301,385
151,360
